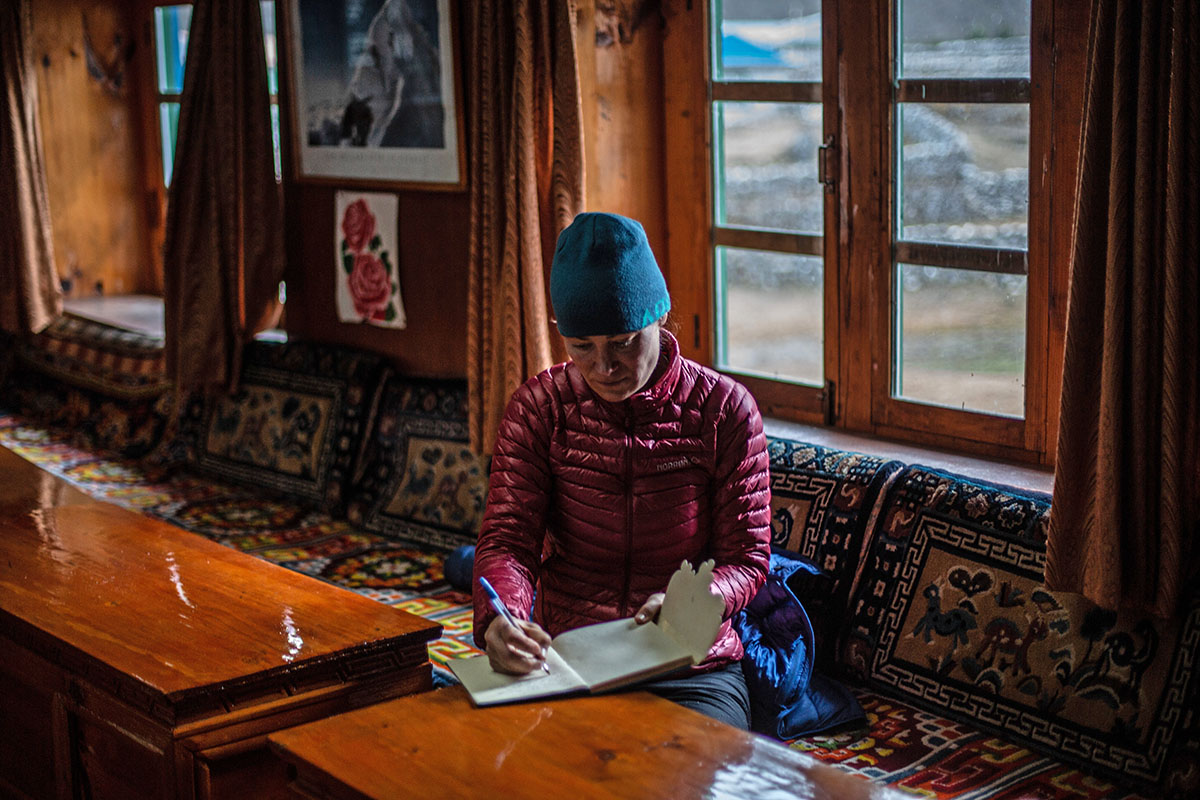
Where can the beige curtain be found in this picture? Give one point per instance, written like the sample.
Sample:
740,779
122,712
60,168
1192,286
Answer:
223,254
30,295
1127,485
526,154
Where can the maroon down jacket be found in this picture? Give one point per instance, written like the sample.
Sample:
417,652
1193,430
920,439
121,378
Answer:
597,503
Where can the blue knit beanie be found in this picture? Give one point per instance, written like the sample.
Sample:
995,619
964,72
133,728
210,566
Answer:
604,280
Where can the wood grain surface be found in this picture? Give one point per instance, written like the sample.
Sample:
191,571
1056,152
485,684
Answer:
166,607
631,745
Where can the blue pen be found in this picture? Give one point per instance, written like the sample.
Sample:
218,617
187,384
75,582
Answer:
502,609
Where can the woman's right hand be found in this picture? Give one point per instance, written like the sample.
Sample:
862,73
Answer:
518,650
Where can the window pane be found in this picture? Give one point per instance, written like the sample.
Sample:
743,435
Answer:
275,140
964,173
168,121
171,24
766,165
770,312
767,41
268,23
961,339
963,40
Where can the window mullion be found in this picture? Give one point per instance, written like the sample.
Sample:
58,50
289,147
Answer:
963,90
767,91
979,259
775,241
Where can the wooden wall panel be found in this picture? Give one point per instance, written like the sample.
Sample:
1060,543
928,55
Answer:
621,69
433,237
688,205
88,85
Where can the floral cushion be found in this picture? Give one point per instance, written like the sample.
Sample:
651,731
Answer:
419,480
295,423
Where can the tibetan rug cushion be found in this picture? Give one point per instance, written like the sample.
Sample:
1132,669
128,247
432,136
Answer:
104,384
950,614
127,427
92,355
823,502
420,481
295,423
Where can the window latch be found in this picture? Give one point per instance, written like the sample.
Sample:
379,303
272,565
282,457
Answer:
826,168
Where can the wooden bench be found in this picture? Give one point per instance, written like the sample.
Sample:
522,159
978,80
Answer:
140,660
632,745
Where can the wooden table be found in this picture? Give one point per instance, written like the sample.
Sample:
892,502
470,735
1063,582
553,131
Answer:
631,745
140,660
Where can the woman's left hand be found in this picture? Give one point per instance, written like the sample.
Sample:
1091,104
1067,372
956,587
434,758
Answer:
649,610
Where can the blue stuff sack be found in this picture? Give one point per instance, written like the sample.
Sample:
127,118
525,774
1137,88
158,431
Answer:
787,699
459,568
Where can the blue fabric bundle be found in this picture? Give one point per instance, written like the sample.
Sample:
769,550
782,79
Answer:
787,698
459,568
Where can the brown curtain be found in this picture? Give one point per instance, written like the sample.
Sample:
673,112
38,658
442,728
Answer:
30,295
526,153
1123,523
223,254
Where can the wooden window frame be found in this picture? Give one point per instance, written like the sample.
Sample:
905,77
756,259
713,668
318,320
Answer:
154,190
859,268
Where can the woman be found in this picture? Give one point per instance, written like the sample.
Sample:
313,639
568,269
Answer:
612,468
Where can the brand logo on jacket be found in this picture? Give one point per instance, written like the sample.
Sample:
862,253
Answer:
678,463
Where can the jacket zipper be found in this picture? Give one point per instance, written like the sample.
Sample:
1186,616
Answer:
625,611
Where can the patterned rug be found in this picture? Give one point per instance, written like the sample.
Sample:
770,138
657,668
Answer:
928,756
917,753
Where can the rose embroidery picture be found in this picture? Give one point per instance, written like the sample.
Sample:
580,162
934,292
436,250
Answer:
367,265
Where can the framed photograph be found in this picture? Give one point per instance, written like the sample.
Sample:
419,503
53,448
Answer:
375,96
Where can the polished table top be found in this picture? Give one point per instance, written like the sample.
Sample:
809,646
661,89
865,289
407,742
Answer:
167,607
632,745
24,487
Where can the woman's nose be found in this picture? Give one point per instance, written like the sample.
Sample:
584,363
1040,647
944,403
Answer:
608,363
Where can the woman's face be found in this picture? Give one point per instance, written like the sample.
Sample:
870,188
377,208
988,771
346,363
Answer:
617,367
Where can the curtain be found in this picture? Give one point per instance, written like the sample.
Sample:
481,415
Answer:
1123,522
223,253
526,156
30,295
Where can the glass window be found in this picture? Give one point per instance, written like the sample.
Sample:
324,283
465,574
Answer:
767,165
963,40
770,314
769,203
964,173
961,336
776,41
926,203
171,27
168,126
962,205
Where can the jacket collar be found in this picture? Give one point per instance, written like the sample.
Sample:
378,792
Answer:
657,393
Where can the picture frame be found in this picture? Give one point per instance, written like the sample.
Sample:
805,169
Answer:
375,93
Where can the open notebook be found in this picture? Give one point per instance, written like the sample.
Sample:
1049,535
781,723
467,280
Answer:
609,655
